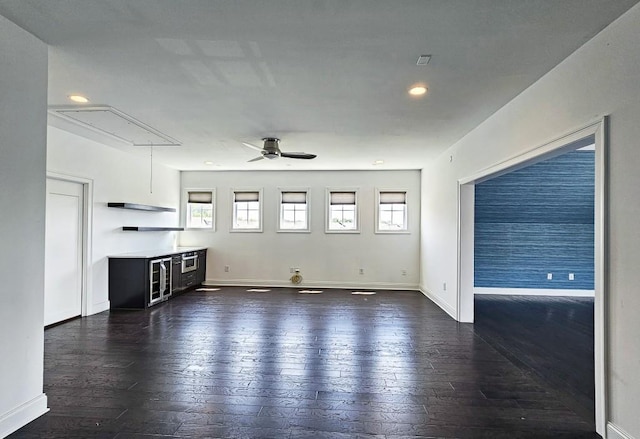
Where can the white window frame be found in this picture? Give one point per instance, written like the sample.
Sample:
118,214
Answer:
405,230
185,209
233,210
331,190
307,229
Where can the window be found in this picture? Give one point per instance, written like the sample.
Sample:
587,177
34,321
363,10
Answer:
247,214
199,209
392,211
342,211
294,211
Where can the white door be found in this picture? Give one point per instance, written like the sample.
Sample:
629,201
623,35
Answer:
63,251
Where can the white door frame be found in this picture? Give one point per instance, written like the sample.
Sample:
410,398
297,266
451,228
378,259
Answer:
87,215
466,190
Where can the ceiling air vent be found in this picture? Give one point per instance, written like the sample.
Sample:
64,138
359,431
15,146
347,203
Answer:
108,120
423,60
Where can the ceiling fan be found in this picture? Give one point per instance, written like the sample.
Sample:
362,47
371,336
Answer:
271,150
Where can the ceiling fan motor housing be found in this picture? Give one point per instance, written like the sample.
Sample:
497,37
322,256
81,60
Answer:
271,148
271,142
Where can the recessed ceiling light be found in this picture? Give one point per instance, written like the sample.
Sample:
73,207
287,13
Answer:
208,162
79,99
417,90
378,162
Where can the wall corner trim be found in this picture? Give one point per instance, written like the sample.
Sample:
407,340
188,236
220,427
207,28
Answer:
23,414
615,432
439,302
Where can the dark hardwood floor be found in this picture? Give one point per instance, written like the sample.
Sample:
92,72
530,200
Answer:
552,337
233,364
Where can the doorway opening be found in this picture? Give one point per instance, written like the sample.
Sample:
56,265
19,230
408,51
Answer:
594,133
533,272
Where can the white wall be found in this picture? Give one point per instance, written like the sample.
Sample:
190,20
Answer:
23,101
324,259
116,177
601,78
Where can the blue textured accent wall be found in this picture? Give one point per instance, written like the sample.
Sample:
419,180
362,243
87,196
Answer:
534,221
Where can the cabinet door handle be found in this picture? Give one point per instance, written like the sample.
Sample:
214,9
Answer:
163,278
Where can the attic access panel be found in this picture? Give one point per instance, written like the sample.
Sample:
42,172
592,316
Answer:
115,123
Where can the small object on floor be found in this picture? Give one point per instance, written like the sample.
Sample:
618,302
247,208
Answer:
257,290
309,292
364,293
208,289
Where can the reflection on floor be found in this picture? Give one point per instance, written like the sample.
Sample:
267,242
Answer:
235,364
552,337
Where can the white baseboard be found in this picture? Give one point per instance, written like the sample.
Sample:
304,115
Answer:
615,432
310,284
534,292
438,301
22,415
98,307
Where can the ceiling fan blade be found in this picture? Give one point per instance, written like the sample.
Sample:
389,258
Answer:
257,148
298,155
256,159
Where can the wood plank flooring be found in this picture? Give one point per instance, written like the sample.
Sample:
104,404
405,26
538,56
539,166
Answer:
551,337
234,364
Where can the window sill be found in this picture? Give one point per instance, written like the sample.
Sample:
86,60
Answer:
339,232
199,229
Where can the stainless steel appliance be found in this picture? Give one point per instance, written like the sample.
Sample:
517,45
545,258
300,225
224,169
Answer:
189,262
160,276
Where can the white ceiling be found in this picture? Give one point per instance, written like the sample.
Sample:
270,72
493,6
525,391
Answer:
328,77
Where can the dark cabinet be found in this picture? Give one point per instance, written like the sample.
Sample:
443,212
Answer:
138,282
176,273
142,282
188,279
197,276
201,272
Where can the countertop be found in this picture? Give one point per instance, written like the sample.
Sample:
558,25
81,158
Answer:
147,254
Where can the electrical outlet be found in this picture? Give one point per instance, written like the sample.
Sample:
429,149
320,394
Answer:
444,286
227,269
361,271
572,276
549,276
404,272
